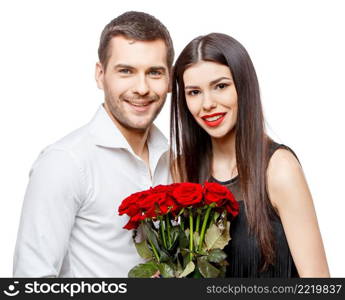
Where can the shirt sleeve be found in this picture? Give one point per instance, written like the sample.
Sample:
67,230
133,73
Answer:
51,203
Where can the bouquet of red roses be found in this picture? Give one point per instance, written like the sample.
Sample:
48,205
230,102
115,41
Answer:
184,226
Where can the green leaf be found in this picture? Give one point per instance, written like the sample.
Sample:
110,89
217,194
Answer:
224,238
181,212
151,234
174,236
188,269
206,269
183,240
216,256
212,235
179,268
215,216
196,273
222,220
217,238
143,270
166,271
143,250
185,256
163,256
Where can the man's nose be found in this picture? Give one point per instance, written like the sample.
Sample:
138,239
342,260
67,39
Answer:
141,87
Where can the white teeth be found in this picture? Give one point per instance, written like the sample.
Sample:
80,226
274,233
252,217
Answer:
215,118
137,104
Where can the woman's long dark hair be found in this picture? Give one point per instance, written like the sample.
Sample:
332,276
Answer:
191,148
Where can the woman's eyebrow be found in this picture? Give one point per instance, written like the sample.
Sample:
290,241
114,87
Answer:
219,79
213,82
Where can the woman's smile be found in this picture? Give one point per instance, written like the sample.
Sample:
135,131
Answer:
213,120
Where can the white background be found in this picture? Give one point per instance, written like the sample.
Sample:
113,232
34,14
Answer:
48,52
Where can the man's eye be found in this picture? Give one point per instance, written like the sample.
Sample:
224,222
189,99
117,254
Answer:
193,92
155,73
125,71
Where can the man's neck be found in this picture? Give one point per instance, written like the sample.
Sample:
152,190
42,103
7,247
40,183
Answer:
137,139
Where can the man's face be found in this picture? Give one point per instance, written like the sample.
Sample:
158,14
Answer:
135,81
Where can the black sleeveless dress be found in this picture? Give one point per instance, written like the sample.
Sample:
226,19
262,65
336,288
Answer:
243,251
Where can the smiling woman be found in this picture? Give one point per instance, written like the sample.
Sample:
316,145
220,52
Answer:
218,135
211,102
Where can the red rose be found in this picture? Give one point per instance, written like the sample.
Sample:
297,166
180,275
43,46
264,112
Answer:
219,194
133,222
165,188
168,204
159,202
130,205
188,194
150,203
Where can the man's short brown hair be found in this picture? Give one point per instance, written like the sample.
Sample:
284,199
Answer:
137,26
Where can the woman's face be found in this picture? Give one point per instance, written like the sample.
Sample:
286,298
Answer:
211,97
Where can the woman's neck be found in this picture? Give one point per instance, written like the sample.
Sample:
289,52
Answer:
224,157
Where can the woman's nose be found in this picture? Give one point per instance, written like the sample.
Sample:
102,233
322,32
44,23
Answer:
208,102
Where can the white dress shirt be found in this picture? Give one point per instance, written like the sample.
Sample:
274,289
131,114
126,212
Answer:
69,225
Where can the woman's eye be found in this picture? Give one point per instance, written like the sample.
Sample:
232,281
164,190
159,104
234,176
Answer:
193,92
221,86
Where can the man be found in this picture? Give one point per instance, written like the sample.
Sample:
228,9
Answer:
69,225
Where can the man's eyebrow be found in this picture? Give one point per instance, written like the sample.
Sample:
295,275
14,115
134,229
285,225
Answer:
123,66
160,68
163,69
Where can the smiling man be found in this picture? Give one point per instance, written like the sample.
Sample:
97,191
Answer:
69,225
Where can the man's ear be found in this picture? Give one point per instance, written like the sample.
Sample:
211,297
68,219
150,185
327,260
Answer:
170,80
99,75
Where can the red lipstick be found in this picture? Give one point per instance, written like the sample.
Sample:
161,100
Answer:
214,119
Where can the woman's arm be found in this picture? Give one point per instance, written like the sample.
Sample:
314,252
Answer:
290,195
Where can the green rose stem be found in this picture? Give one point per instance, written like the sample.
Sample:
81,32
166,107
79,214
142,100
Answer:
168,229
210,219
191,242
154,251
198,221
203,228
182,223
180,214
162,229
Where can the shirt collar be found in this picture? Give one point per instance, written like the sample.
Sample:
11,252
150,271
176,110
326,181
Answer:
105,133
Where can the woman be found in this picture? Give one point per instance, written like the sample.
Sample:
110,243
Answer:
217,134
